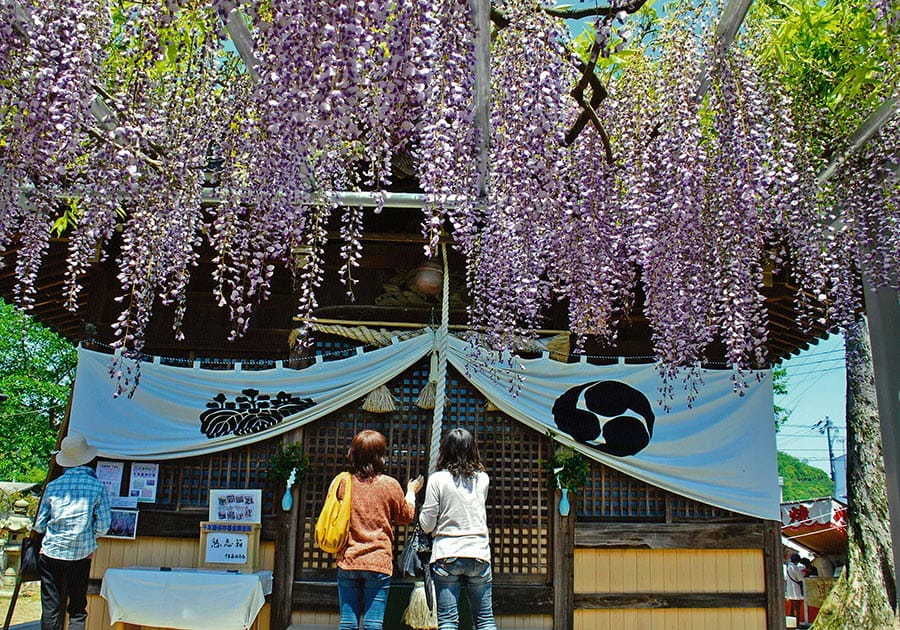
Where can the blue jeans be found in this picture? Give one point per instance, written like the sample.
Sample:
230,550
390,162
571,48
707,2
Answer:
450,575
363,596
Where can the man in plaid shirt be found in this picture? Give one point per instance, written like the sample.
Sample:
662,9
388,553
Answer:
74,511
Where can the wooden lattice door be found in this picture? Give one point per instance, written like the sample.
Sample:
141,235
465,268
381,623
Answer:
518,501
408,432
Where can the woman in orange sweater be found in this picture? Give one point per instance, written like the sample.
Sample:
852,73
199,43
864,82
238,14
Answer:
366,564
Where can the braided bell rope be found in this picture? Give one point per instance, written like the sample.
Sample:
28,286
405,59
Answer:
441,342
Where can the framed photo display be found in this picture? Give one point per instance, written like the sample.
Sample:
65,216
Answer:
123,524
235,506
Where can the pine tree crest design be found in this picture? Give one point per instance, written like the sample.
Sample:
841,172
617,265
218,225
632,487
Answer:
250,412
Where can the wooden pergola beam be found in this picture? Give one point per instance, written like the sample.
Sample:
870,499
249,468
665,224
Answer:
726,30
778,348
54,306
58,269
367,199
481,16
61,316
868,128
243,41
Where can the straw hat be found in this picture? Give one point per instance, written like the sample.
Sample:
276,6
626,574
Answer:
75,451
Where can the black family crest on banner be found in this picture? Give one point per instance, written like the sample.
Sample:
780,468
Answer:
609,416
249,413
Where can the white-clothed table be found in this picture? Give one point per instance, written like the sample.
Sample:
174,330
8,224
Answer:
187,599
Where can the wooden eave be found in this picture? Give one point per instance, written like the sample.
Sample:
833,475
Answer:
268,336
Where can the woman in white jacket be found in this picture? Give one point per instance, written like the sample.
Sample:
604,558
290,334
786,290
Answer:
454,514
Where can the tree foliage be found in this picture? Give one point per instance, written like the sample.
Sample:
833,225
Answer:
780,388
802,481
37,368
838,58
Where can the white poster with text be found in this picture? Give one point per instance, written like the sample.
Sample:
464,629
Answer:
110,475
144,481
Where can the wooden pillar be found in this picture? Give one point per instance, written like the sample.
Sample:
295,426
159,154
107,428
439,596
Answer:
481,17
883,314
774,576
563,565
285,553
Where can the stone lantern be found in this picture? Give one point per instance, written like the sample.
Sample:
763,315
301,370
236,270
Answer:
14,528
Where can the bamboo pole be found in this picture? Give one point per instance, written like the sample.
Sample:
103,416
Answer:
726,30
365,199
377,324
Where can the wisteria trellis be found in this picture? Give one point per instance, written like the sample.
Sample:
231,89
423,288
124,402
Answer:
701,196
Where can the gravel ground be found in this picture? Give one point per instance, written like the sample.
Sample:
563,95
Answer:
28,608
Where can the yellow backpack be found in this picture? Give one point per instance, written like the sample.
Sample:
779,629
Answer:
333,526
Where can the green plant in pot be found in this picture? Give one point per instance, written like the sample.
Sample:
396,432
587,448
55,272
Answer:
568,470
287,466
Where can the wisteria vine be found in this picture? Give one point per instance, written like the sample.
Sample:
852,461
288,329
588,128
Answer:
121,116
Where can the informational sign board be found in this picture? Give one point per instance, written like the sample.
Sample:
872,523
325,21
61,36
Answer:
225,548
110,475
231,546
235,506
144,481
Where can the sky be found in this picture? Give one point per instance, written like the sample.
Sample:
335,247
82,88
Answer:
816,389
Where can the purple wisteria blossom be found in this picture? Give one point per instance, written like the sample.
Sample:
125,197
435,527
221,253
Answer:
703,198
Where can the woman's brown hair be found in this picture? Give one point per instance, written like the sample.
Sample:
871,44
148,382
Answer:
459,454
366,455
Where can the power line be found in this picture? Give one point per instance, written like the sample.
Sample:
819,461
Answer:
820,353
799,397
820,371
817,362
817,354
810,450
809,427
812,364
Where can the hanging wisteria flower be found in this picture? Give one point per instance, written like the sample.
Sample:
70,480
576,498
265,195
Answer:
130,117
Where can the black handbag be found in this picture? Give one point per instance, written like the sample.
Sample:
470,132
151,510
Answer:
28,560
413,561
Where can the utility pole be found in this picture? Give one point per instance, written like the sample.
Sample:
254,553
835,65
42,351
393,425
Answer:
825,426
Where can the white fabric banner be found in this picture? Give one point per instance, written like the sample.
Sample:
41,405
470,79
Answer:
183,411
720,450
